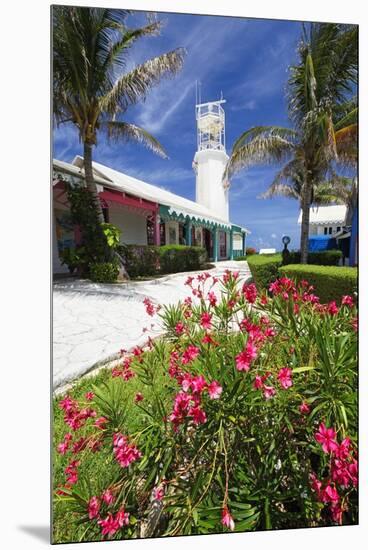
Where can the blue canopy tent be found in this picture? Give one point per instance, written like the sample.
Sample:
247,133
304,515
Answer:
318,243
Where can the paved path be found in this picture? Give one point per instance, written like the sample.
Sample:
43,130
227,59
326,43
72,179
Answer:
92,322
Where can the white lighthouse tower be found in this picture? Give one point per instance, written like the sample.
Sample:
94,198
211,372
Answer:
211,158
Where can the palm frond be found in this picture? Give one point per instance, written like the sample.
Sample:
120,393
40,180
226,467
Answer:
124,131
134,86
258,147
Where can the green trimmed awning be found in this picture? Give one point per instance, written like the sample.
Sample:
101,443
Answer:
170,213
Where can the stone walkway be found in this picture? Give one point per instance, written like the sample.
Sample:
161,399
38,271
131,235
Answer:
92,322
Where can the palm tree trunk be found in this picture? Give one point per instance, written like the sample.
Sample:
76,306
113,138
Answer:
304,235
91,185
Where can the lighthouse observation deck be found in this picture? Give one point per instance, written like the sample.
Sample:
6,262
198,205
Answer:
210,126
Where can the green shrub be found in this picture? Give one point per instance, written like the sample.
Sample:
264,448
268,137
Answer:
230,435
104,272
325,257
264,268
240,258
330,282
140,260
176,258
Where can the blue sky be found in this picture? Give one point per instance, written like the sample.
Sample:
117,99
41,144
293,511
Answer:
246,59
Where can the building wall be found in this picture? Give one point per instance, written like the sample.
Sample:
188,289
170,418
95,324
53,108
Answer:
318,229
210,191
132,225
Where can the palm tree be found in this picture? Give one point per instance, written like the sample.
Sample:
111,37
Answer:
92,88
321,110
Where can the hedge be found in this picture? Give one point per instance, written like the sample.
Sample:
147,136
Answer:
330,282
145,261
104,272
324,257
264,268
176,258
140,260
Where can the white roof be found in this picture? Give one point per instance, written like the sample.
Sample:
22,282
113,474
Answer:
329,214
176,203
73,170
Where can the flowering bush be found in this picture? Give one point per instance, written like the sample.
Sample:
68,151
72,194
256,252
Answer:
245,419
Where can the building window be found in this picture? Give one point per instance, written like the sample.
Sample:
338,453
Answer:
325,230
162,234
150,232
338,229
330,230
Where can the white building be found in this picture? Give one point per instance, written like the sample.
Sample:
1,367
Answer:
150,215
326,220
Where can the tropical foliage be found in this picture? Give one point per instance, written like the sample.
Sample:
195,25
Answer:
323,112
242,417
92,88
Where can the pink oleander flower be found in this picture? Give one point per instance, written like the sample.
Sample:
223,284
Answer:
326,438
199,416
304,408
264,300
329,494
206,320
190,354
125,453
108,497
250,292
67,404
109,525
337,511
71,472
285,377
332,308
150,308
198,384
93,507
347,301
214,390
227,519
100,422
245,358
179,328
89,395
122,517
138,397
258,382
158,492
189,281
212,298
343,450
268,392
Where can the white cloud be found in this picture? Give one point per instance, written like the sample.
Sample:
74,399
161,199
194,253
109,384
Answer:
273,236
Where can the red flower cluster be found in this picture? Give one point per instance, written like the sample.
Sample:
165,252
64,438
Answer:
151,309
187,402
124,452
250,292
73,415
190,354
124,370
259,384
343,471
71,473
244,359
